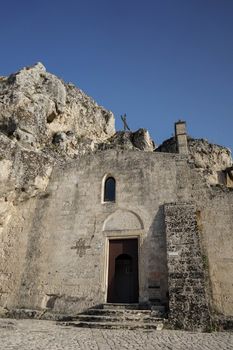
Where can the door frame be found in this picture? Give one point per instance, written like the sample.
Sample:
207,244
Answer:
112,236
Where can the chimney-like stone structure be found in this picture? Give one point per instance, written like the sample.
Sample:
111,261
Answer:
181,137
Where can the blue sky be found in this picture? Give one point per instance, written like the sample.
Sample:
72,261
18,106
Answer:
155,60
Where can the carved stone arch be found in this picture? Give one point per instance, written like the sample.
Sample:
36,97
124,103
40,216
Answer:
123,219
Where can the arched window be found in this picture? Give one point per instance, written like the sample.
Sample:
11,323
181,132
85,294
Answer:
110,189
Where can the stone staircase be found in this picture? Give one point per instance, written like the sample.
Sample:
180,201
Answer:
120,316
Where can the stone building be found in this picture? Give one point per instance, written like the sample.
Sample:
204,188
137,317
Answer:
90,216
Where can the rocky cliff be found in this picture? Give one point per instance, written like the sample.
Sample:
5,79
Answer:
38,110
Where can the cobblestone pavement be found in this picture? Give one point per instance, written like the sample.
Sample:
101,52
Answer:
46,335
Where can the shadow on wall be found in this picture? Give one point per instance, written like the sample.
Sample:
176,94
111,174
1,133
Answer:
155,248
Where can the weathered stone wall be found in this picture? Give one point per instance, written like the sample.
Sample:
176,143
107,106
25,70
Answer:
188,303
14,245
65,254
214,217
216,225
54,248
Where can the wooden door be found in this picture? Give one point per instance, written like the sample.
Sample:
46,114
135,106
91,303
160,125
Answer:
123,271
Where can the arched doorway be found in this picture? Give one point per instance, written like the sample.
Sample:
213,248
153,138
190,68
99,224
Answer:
123,271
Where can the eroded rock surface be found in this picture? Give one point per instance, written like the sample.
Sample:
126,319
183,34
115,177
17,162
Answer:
211,160
35,106
129,140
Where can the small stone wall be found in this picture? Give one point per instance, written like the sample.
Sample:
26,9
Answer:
186,278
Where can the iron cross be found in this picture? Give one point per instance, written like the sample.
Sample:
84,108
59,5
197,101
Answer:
123,118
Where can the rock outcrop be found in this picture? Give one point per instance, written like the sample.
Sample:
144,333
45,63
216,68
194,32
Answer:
38,110
211,161
129,140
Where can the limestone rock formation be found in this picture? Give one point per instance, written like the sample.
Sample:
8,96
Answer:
211,160
35,106
129,140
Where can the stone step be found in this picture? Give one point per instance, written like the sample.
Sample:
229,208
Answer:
125,306
115,325
141,307
116,311
122,318
121,312
160,308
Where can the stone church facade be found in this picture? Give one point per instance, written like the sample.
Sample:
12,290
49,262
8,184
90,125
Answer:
120,225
